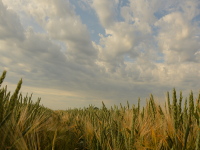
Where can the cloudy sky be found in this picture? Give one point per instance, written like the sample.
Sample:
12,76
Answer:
73,53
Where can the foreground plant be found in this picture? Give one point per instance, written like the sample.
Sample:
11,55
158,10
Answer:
25,125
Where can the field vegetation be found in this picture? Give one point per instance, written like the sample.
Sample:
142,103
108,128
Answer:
27,125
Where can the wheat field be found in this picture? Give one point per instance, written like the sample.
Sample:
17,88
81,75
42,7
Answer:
27,125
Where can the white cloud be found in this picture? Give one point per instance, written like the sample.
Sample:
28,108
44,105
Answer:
148,47
177,38
59,20
127,37
190,8
106,11
10,26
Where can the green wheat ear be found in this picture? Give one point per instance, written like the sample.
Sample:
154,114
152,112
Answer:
2,77
175,109
180,103
168,103
191,104
14,97
1,104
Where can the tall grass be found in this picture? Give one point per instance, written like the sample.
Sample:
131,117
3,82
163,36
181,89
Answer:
27,125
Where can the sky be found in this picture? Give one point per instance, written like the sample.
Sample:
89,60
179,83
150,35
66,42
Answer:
76,53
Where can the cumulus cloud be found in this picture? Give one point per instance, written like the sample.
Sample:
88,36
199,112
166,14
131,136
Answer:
146,47
67,28
10,26
105,11
179,42
59,20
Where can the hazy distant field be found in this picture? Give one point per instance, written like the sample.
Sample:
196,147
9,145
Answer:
25,125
